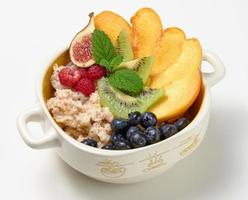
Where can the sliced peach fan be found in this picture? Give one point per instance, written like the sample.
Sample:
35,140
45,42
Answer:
112,24
147,30
181,81
177,60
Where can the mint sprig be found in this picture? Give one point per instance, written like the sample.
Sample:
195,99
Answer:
105,55
102,46
115,62
104,51
127,81
113,65
103,62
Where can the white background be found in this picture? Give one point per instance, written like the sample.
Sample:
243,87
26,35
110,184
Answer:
32,31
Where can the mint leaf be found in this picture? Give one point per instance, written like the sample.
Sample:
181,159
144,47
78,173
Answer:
102,47
127,81
104,52
106,64
115,62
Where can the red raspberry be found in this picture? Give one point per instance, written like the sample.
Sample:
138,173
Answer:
69,77
83,72
86,86
95,72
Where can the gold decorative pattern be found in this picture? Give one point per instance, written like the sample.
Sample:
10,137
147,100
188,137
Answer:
188,139
191,146
111,169
154,160
114,169
183,142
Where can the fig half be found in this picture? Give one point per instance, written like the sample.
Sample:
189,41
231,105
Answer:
81,45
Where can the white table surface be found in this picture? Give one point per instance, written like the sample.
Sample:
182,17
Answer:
30,33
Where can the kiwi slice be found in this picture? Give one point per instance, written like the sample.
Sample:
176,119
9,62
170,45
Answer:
121,104
142,66
123,46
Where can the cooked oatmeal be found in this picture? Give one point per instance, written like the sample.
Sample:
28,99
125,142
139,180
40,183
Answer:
80,116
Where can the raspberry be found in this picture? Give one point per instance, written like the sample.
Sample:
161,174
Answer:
95,72
86,86
83,72
69,77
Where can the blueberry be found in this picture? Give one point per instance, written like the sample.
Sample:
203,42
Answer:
116,136
167,130
108,147
138,140
134,118
148,119
132,130
90,142
121,131
121,145
152,135
163,123
181,123
119,124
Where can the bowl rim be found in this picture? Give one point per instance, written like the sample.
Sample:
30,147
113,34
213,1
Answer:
204,109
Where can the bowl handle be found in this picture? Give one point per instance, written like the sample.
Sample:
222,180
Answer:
35,114
217,64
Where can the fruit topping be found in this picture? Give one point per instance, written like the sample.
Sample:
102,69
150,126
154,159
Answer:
148,119
119,61
168,50
117,136
126,136
81,45
119,124
96,72
90,142
112,24
127,81
103,49
138,140
181,123
86,86
124,79
142,66
134,118
108,147
121,145
147,28
181,81
167,130
152,135
82,50
128,133
83,72
121,104
69,76
123,46
132,130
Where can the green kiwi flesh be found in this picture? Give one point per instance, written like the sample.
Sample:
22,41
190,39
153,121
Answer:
123,46
121,104
142,66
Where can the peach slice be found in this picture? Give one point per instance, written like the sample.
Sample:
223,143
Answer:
147,29
112,24
168,50
181,82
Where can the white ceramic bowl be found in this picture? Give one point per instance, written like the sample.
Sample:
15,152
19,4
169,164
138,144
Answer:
124,166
